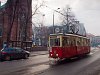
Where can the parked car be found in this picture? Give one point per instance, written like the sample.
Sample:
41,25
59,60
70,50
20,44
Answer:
13,53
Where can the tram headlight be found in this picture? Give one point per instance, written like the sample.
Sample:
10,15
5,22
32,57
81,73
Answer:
56,54
51,54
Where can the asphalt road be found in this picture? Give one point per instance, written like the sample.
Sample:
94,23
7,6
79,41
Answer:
39,65
88,65
7,67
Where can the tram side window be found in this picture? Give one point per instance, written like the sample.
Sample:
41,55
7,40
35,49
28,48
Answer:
87,42
79,42
84,42
72,41
65,41
69,41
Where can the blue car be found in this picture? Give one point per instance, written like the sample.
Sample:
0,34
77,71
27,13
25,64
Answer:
13,53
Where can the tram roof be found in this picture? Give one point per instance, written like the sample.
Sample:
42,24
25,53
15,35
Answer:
69,35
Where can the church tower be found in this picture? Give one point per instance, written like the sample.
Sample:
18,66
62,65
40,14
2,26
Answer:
16,20
20,16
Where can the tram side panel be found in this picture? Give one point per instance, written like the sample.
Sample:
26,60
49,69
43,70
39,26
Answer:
69,52
69,47
82,46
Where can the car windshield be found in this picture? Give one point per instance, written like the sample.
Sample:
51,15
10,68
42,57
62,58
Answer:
19,49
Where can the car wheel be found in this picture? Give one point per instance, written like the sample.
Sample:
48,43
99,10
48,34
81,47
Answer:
7,58
26,56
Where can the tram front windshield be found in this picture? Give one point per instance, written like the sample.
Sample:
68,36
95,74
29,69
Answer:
54,41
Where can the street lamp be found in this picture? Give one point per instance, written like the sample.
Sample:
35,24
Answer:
41,32
53,20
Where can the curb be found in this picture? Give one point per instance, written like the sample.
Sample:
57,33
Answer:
37,54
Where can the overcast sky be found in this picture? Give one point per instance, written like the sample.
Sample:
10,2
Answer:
3,1
86,11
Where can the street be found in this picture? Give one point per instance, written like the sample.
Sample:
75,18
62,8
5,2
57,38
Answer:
39,65
14,65
66,31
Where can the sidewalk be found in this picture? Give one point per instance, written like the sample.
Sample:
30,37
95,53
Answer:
35,53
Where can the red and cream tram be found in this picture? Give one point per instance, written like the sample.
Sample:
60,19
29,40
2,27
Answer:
68,45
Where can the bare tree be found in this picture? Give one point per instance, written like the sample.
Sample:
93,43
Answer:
68,20
23,15
19,14
37,5
36,13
